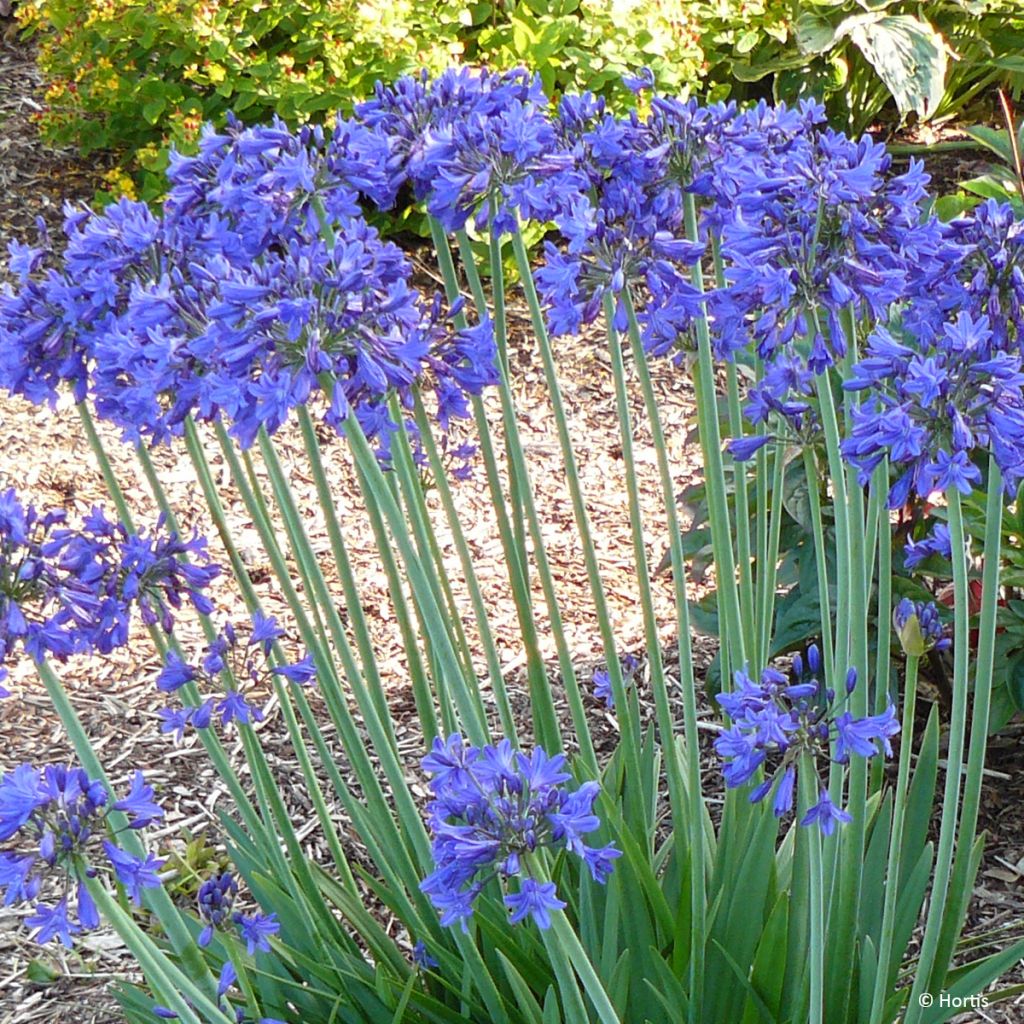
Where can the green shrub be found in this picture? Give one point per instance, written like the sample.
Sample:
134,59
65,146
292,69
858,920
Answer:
140,77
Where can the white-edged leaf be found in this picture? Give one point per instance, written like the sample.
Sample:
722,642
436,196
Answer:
908,54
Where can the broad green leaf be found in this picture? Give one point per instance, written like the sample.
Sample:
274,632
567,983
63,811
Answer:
997,141
814,33
908,55
747,41
769,970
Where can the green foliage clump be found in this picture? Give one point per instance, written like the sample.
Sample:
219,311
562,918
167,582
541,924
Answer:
929,59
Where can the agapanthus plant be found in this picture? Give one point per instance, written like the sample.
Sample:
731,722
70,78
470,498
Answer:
761,238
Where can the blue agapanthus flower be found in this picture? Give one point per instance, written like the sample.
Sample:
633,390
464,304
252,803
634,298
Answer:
493,808
932,403
53,829
244,662
70,589
256,931
779,719
603,682
936,542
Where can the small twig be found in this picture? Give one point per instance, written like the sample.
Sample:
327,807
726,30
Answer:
1011,129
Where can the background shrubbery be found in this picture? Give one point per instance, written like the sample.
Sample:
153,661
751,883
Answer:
138,78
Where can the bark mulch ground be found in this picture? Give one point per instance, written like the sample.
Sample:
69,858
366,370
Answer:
43,453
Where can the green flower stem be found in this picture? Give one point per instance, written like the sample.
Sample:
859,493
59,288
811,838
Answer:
734,652
693,821
545,721
468,263
884,971
249,815
850,650
233,948
411,487
518,482
343,566
739,481
815,899
330,685
821,555
961,886
377,491
659,686
496,677
175,988
272,807
425,681
840,505
381,828
767,578
883,635
765,575
954,763
579,505
102,459
738,472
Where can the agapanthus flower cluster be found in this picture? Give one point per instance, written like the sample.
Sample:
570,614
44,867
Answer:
151,571
623,234
260,287
817,229
919,627
932,403
263,180
782,722
417,120
988,275
239,661
54,836
67,590
494,809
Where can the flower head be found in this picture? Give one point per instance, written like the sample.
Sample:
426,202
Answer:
779,720
52,827
493,807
